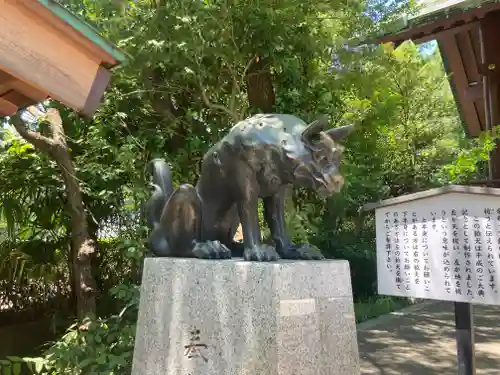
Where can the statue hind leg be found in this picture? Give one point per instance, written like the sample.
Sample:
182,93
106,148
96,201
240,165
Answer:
220,222
179,233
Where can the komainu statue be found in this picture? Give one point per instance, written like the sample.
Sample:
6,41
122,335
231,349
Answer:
258,159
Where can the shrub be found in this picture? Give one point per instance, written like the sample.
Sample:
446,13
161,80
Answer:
100,346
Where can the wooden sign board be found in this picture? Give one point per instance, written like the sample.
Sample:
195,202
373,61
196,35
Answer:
441,244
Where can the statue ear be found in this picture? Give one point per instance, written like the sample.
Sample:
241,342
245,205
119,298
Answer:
338,134
315,127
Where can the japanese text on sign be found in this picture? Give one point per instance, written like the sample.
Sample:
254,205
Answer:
445,247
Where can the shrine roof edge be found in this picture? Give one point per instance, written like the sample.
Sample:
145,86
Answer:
432,193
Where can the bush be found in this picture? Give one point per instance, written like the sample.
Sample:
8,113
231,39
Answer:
363,264
377,306
101,346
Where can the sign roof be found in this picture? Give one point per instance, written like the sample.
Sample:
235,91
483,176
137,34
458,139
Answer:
85,29
431,193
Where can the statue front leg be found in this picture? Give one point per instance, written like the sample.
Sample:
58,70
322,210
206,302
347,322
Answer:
274,213
249,217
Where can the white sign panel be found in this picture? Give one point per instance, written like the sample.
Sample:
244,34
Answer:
444,247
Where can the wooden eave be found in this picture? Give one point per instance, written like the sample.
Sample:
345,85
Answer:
80,31
429,27
458,33
20,88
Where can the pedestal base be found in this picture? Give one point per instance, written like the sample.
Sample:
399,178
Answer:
230,317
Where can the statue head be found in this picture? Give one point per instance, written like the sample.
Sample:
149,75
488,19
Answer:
319,166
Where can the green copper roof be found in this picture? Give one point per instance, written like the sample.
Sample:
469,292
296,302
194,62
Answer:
429,11
429,7
82,27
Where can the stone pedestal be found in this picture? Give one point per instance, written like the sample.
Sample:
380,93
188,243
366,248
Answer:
230,317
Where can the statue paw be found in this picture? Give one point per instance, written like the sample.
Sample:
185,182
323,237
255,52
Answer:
261,253
211,250
302,251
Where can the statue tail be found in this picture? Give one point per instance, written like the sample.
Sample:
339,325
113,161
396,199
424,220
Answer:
162,184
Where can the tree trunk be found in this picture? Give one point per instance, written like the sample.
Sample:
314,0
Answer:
82,244
260,85
83,247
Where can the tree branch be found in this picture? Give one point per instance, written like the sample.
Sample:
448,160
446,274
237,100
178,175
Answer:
56,126
249,64
219,107
236,88
35,138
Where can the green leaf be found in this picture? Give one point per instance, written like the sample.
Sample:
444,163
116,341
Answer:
29,364
39,364
101,359
14,359
86,362
16,368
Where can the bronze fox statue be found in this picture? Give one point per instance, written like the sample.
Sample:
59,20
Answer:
258,159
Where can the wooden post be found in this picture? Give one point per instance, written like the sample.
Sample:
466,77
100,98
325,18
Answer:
464,326
490,69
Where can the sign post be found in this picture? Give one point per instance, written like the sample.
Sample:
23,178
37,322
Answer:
464,324
442,244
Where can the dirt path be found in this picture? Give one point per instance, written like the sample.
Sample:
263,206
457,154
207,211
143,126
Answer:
421,341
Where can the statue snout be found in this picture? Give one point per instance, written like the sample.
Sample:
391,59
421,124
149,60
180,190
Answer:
335,183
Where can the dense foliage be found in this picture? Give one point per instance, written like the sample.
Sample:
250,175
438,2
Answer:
195,68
